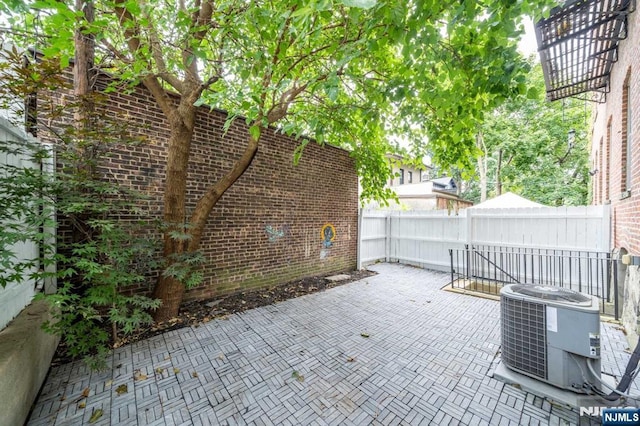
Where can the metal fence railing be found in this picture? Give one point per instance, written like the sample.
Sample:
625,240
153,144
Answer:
486,269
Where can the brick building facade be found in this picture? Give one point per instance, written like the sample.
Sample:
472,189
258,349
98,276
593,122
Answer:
278,222
615,165
615,143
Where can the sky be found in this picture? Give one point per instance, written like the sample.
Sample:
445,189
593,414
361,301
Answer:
528,44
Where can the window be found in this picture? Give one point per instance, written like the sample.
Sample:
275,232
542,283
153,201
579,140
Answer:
401,176
625,183
410,177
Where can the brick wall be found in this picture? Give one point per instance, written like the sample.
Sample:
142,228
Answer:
608,185
267,228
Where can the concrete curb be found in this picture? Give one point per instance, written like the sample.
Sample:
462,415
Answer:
25,355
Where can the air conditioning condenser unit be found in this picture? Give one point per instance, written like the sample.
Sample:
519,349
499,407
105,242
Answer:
548,333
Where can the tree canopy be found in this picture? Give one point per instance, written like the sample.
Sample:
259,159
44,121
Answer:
536,148
352,73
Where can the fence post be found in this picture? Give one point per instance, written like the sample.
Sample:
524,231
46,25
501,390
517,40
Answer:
615,288
469,226
469,245
468,266
359,244
387,239
606,228
451,259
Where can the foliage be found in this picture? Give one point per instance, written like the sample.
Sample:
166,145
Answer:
533,136
351,73
461,64
106,254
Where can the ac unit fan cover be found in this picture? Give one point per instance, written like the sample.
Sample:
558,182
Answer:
550,293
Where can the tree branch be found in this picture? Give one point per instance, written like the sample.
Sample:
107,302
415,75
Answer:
201,22
156,52
131,32
116,52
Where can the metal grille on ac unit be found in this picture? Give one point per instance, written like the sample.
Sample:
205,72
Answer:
548,333
524,336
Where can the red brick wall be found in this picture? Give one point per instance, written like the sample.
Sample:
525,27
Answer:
625,206
267,228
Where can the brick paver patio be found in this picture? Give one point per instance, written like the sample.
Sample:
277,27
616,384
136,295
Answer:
393,349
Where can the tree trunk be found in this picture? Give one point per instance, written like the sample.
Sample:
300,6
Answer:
83,65
84,51
499,174
168,289
171,292
482,167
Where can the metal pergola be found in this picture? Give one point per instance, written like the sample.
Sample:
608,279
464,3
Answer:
578,45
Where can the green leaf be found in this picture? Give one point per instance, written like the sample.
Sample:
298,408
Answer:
255,132
299,377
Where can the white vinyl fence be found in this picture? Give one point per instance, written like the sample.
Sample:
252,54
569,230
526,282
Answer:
16,296
424,238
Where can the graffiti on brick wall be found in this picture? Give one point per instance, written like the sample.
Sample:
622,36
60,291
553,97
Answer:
275,234
328,234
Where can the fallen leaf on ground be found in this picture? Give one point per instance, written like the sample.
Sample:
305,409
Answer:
221,357
85,392
122,389
194,375
365,335
299,377
95,415
138,375
350,359
82,405
159,370
108,383
176,370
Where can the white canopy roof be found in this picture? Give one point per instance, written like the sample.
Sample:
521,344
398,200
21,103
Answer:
507,200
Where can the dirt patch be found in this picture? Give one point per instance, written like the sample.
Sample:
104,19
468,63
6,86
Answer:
198,312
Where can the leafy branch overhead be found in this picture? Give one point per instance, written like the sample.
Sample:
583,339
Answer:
352,73
317,68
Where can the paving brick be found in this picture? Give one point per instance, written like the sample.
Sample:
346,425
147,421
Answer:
424,363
